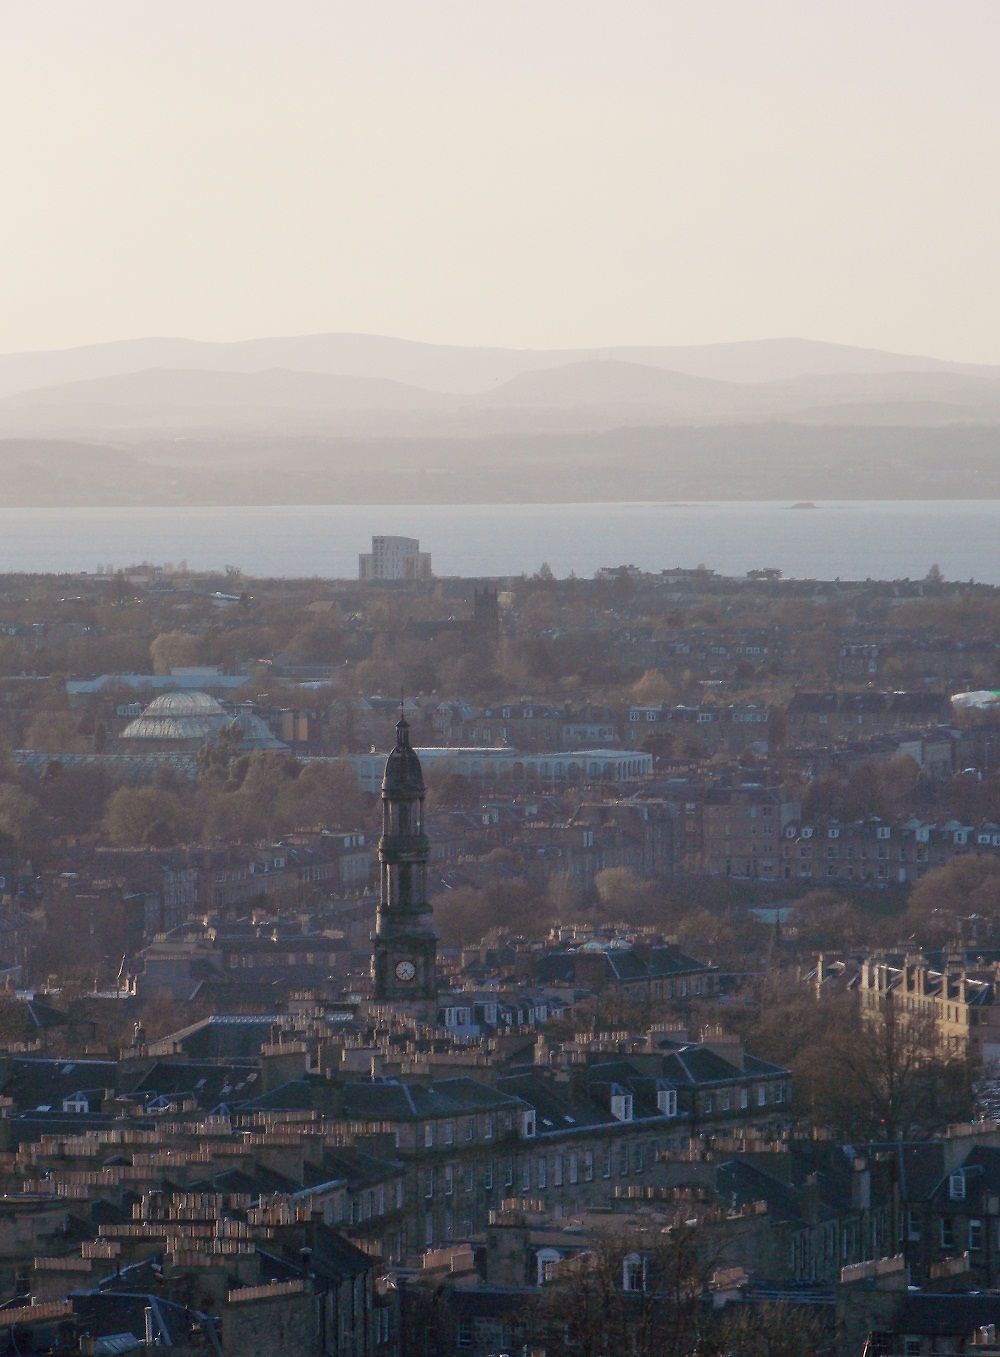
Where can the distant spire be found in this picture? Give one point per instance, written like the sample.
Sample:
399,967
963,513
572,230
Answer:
402,725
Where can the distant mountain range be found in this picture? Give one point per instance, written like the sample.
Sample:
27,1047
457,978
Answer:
329,417
452,368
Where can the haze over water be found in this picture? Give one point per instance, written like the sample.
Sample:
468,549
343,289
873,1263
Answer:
850,540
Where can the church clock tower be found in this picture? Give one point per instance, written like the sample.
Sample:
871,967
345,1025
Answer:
405,943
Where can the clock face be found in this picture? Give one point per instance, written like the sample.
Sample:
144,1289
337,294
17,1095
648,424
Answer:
405,970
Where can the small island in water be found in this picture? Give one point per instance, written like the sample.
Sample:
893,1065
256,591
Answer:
803,504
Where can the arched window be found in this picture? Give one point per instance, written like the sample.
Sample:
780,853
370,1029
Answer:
633,1272
544,1258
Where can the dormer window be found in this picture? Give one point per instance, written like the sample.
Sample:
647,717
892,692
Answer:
956,1186
666,1101
528,1124
621,1106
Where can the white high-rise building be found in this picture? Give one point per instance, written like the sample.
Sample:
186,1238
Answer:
394,558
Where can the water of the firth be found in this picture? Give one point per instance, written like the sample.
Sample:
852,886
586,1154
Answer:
849,540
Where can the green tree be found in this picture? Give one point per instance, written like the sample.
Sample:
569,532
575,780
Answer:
623,897
146,817
462,916
21,818
55,732
174,649
653,689
946,895
74,798
326,795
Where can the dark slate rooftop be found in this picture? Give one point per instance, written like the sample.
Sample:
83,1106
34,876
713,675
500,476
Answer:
229,1036
392,1101
37,1083
947,1314
208,1084
557,1108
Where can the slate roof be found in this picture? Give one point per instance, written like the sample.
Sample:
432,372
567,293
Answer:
295,1095
208,1085
358,1168
260,1182
232,1036
36,1083
489,1302
41,1015
557,1109
749,1183
947,1314
811,1178
30,1126
392,1101
623,963
694,1066
336,1257
117,1312
917,1166
981,1171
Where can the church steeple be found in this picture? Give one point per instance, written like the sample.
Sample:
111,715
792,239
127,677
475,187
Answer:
405,943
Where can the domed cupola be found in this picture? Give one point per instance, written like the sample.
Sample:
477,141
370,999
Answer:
403,775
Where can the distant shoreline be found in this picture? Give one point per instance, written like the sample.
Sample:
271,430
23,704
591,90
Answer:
409,501
880,539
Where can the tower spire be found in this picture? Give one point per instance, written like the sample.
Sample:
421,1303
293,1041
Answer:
405,943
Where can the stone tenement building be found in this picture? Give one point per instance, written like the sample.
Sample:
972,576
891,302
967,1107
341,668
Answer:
835,715
960,1001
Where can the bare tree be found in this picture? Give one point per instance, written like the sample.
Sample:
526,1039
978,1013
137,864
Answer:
638,1291
886,1075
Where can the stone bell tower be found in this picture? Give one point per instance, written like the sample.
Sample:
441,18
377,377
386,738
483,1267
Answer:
404,954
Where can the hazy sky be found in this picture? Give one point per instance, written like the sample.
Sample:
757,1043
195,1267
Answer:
529,172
